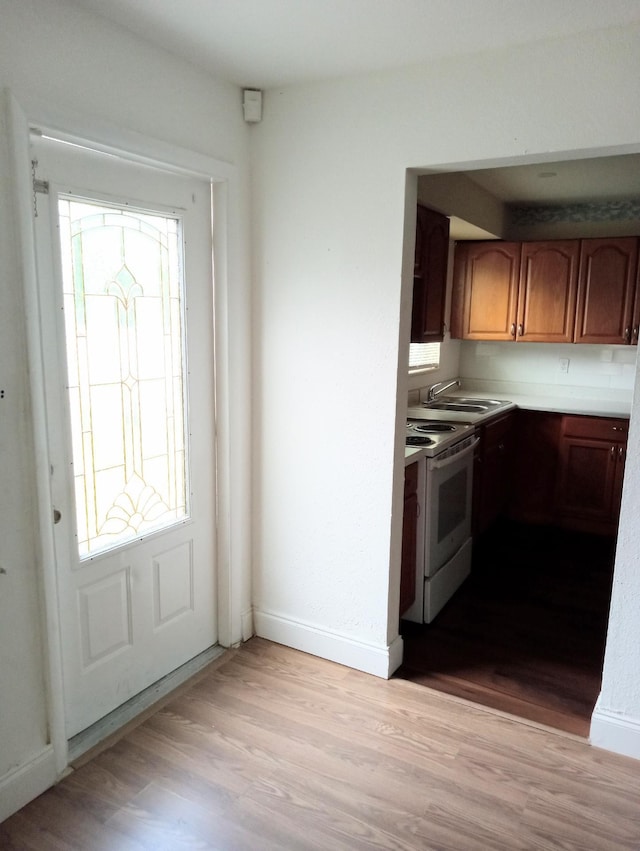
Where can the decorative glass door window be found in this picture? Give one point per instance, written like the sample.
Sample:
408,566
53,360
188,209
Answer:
124,328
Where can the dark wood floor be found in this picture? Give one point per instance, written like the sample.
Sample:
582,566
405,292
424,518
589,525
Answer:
272,749
526,633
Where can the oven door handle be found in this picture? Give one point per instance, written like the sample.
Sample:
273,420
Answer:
453,459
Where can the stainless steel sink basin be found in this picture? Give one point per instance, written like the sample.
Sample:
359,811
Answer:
456,406
462,403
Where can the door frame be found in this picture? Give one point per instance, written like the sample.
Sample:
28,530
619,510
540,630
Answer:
234,613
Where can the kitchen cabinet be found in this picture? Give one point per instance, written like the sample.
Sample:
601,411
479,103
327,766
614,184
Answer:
429,276
591,468
607,291
515,291
558,291
547,291
537,447
492,471
409,538
485,290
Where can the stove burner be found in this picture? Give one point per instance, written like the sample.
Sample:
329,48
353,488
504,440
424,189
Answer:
434,428
418,440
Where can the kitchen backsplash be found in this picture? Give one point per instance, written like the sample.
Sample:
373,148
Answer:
574,370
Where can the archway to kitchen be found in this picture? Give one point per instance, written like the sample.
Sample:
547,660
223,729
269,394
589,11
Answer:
525,633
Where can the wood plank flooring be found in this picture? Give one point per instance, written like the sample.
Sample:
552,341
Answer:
526,633
272,749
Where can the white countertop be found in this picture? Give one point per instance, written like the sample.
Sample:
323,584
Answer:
566,404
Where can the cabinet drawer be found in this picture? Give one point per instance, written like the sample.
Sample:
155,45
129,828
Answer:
597,428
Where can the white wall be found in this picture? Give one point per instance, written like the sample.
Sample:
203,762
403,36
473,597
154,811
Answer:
62,62
329,201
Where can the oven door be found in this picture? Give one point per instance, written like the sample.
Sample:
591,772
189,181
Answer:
449,490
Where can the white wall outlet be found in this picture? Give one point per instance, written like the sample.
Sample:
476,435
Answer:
563,364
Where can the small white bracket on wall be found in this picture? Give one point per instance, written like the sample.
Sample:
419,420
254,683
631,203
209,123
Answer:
252,105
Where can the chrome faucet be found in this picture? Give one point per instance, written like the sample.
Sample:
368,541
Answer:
437,389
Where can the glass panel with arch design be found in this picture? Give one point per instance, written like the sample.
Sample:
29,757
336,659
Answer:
124,327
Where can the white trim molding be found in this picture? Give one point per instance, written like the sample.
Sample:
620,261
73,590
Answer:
615,732
26,782
381,661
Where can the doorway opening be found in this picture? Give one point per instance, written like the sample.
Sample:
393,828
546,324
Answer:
526,632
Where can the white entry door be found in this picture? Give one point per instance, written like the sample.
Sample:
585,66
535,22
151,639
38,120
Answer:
126,289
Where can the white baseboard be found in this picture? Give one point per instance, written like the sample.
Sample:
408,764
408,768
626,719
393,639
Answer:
247,624
381,661
616,733
26,782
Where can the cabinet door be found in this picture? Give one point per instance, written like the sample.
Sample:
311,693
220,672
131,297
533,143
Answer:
409,539
430,276
485,290
635,322
547,294
606,290
537,441
494,466
592,454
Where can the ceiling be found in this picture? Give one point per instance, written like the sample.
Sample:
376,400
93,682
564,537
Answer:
571,181
270,43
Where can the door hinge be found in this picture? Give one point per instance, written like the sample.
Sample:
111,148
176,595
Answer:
39,186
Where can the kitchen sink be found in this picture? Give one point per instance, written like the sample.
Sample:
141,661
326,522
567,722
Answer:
461,403
457,406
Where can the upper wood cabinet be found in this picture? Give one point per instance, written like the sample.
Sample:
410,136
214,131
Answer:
485,290
558,291
606,291
429,276
515,291
547,293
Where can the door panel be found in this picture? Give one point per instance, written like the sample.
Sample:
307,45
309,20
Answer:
548,286
130,395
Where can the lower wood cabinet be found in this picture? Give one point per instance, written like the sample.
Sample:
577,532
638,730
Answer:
492,471
591,470
537,440
409,538
568,470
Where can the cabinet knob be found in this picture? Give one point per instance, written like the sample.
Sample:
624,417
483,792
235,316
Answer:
613,451
627,334
620,452
634,335
513,329
520,330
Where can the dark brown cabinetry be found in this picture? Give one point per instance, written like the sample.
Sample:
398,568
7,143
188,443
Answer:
607,291
558,291
547,292
485,290
515,291
429,276
591,469
568,470
492,471
537,441
409,538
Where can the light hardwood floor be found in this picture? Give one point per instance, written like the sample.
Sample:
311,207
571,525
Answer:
269,748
